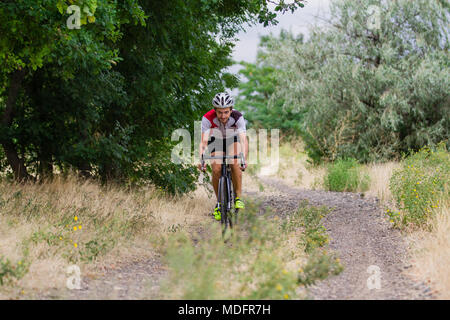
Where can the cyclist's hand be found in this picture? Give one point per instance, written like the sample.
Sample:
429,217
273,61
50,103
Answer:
201,168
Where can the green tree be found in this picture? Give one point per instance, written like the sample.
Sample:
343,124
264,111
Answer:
373,82
262,109
34,36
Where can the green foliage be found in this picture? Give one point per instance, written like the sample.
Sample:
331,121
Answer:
345,175
256,97
364,92
95,248
420,186
320,266
309,218
10,271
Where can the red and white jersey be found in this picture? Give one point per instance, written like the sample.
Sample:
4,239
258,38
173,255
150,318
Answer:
234,125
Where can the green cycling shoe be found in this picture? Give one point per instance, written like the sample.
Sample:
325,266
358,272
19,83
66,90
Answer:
216,213
239,204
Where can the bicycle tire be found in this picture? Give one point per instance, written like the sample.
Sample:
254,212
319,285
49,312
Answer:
230,202
232,216
223,201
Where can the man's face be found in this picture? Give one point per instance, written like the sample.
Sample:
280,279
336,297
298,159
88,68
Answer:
223,114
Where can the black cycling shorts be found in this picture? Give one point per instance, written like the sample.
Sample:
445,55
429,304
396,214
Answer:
215,144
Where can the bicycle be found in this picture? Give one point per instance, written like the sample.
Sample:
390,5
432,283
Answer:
226,194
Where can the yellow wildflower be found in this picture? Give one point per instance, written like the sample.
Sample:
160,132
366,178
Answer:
75,218
279,287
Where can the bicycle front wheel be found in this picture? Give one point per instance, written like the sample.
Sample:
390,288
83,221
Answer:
223,200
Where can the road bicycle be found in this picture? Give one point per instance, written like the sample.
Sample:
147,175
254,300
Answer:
226,194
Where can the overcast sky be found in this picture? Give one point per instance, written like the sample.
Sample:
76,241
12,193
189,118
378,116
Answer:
298,22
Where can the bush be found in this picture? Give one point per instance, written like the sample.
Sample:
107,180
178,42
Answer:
419,186
10,271
344,175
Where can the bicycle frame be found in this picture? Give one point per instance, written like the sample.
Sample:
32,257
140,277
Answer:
225,182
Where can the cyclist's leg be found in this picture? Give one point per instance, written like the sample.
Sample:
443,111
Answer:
215,164
216,167
236,173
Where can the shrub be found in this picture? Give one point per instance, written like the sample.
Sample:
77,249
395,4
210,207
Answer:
345,175
419,186
10,271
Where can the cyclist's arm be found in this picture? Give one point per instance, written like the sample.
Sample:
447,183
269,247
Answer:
241,130
244,145
203,143
206,127
202,147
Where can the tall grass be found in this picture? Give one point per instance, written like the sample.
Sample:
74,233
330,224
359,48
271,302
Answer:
52,225
431,254
294,167
380,174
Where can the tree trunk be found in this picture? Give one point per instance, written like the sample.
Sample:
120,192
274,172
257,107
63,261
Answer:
45,168
17,164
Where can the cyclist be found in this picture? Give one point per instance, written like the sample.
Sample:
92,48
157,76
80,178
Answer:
224,126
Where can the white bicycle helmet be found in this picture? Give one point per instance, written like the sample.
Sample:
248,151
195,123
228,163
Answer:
223,100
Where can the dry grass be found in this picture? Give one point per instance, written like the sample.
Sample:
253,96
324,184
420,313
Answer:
380,173
293,168
37,220
431,253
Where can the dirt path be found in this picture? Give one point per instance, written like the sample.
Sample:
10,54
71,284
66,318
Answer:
132,281
359,234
